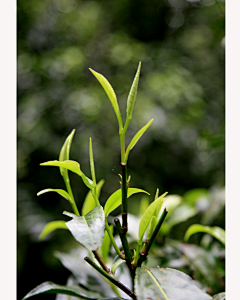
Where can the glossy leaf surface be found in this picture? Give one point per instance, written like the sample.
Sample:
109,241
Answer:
88,230
221,296
136,138
50,227
63,193
166,284
65,151
111,94
116,199
85,275
215,231
73,166
146,217
89,202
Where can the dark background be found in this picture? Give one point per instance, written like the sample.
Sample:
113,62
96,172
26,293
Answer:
181,46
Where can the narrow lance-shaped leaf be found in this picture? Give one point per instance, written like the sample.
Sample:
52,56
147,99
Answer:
65,151
136,138
104,249
152,225
116,199
73,166
166,284
146,217
89,202
88,230
63,193
132,97
50,227
111,95
215,231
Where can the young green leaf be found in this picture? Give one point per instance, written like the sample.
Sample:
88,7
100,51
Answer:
73,166
89,202
52,288
132,97
144,204
104,249
88,230
116,199
215,231
64,153
152,225
50,227
146,217
136,138
111,95
63,193
166,284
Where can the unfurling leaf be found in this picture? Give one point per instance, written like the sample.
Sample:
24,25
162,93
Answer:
88,230
146,217
64,153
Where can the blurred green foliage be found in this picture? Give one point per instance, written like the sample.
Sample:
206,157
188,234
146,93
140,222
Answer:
181,46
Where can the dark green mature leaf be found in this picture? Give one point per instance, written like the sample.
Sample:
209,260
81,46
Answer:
166,284
89,202
50,227
215,231
221,296
64,153
73,166
146,217
88,277
49,287
116,199
136,138
88,230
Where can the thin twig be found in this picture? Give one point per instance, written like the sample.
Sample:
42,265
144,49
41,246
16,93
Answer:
101,262
112,279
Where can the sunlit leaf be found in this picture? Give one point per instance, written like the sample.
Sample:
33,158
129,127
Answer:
132,97
215,231
136,138
65,151
111,94
116,199
50,227
221,296
63,193
89,202
88,230
73,166
152,225
146,217
166,284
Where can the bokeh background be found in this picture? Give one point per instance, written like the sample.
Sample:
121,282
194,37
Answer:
181,46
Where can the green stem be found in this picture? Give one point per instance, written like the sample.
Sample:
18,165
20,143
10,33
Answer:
111,278
119,253
122,145
144,253
124,197
69,190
